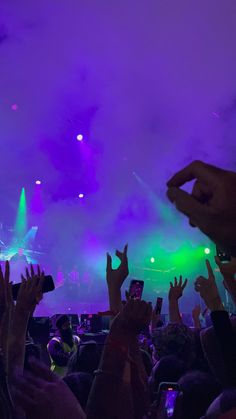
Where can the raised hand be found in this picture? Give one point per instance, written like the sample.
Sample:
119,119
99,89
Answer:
6,310
5,288
30,293
212,205
176,289
228,270
208,289
134,316
116,277
43,395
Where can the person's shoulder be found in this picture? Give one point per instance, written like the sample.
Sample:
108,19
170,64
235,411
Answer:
76,339
55,339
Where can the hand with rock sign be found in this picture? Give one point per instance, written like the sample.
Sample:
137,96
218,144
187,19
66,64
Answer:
115,278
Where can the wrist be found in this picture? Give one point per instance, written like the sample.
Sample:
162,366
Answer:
173,298
122,335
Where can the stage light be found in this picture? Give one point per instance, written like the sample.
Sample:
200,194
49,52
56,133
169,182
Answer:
81,195
207,251
152,260
80,137
14,107
21,218
38,182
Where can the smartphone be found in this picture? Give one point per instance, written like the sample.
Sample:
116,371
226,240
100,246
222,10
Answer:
48,286
167,397
136,289
158,306
223,255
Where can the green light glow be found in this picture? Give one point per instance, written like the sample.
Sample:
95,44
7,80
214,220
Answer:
21,218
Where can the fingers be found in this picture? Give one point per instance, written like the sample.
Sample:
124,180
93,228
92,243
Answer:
27,274
195,170
39,290
125,250
9,293
23,400
176,282
209,270
7,271
201,192
41,371
189,206
32,270
23,279
109,263
122,255
6,276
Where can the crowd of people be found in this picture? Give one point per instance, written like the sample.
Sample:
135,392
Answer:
144,369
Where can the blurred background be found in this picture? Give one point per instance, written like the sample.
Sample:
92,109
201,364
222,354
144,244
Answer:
100,103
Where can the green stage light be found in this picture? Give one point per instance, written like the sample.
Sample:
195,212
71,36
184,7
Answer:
21,218
207,251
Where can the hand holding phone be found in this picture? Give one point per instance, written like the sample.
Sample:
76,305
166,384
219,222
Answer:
167,396
48,285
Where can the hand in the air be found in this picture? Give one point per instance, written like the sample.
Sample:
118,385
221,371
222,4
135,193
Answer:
116,277
30,293
208,289
212,205
176,289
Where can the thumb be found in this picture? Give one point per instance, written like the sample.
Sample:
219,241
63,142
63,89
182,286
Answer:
109,263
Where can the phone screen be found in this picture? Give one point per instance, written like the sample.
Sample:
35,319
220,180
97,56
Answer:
136,289
158,305
168,397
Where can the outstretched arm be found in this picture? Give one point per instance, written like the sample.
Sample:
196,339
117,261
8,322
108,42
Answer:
115,279
29,295
111,395
175,292
221,322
